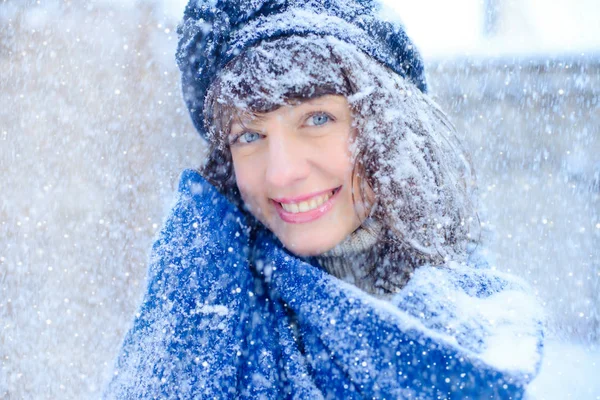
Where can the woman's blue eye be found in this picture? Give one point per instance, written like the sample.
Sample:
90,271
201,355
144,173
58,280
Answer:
249,137
319,119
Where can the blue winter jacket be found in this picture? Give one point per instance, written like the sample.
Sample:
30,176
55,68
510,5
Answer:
229,313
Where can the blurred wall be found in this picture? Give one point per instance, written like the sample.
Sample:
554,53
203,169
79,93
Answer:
533,128
500,27
93,136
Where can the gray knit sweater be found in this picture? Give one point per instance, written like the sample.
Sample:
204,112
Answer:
358,260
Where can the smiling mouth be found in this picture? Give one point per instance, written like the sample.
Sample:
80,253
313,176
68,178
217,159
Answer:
309,204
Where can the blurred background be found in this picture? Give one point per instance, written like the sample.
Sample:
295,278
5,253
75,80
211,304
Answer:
94,134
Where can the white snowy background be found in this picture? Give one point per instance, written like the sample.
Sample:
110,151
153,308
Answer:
93,136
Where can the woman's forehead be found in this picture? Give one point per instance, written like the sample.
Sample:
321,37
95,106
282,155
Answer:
262,96
245,115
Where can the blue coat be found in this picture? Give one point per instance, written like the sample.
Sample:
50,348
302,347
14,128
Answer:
229,313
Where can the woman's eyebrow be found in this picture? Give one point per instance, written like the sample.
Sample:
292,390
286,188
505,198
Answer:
236,127
243,119
246,122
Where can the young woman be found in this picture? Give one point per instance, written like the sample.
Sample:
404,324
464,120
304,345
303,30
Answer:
329,246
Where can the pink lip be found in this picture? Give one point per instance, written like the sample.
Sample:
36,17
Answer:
291,200
307,216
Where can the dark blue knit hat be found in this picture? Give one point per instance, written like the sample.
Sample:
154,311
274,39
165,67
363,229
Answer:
213,32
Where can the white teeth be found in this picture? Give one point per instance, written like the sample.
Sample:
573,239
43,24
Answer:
307,205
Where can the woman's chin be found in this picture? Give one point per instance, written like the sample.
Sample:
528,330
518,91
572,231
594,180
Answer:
309,246
316,237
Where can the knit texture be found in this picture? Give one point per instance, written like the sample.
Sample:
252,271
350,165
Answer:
212,33
222,308
355,259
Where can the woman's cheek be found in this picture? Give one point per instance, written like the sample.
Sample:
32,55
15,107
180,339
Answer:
248,183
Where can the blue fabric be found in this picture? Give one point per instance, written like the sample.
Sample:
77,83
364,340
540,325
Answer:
229,313
213,32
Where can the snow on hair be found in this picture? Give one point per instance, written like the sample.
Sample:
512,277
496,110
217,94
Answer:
406,149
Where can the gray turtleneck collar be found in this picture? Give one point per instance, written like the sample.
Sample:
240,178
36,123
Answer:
358,260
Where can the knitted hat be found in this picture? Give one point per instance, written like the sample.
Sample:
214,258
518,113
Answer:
213,32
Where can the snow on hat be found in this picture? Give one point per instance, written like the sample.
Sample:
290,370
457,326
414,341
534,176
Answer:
213,32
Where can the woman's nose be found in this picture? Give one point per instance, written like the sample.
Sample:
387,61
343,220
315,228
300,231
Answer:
287,162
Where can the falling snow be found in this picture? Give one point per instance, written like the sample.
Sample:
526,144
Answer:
94,135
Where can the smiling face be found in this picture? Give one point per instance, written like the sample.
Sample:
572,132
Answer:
293,167
288,161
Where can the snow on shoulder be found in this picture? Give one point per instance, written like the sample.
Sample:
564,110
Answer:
490,313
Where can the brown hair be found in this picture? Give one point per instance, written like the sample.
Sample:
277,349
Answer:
407,151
